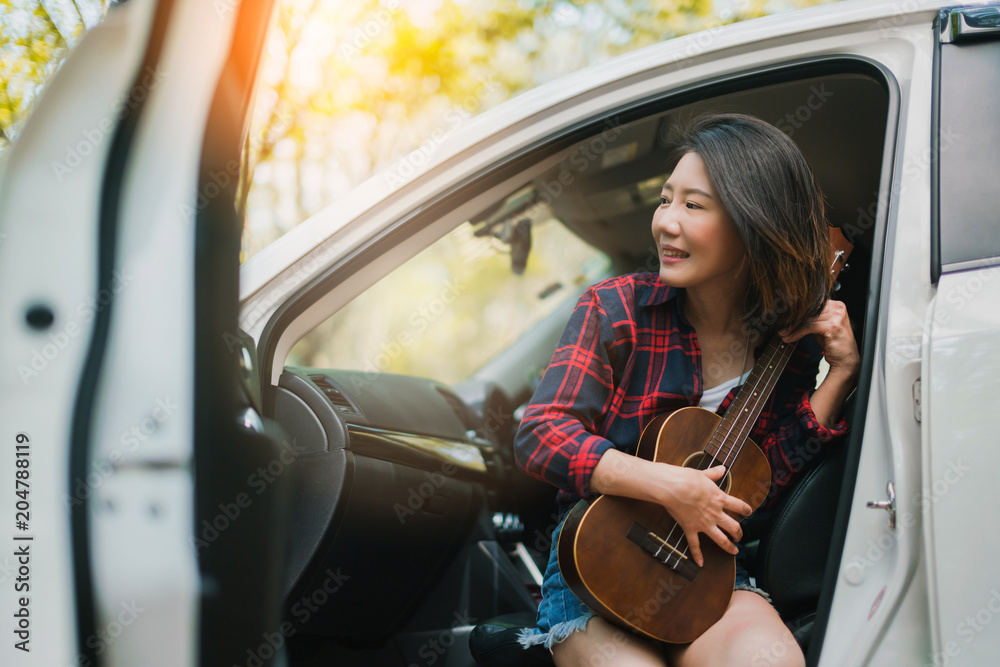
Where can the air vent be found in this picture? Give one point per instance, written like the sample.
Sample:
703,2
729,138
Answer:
340,402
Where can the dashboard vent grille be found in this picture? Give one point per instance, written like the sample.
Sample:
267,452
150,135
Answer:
340,402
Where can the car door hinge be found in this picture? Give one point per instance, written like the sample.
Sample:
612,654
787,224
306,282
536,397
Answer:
960,24
889,505
916,399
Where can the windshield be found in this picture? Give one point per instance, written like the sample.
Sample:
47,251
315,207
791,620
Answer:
454,306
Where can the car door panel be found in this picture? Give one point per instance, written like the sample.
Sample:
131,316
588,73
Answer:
960,348
51,200
958,379
109,171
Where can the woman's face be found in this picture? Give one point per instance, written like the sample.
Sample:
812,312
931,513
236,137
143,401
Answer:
696,239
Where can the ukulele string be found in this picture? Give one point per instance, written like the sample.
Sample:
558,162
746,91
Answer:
746,350
762,396
783,359
785,355
713,460
758,404
779,365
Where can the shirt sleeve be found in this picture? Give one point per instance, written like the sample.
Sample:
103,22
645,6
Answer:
796,439
556,441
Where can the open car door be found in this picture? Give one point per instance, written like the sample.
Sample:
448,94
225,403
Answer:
125,431
960,358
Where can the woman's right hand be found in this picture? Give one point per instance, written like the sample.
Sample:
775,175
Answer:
698,505
692,496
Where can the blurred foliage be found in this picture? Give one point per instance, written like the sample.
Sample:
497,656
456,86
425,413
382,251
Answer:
452,307
349,86
35,37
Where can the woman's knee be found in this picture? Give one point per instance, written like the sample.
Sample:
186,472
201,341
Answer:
782,651
601,644
790,658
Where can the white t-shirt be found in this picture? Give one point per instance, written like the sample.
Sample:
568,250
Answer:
712,398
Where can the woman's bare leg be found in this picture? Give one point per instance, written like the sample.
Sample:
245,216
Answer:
749,633
603,645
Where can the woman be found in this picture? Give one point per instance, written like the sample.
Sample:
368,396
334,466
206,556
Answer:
744,253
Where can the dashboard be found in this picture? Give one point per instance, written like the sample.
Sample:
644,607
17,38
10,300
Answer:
392,476
398,418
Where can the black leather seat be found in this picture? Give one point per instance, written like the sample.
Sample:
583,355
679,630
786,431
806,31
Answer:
789,563
793,552
493,643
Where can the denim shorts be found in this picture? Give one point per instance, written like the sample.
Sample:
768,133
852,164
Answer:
561,612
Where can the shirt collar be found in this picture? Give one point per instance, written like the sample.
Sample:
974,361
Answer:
654,292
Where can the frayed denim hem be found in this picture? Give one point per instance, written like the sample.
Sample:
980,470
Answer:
753,589
557,633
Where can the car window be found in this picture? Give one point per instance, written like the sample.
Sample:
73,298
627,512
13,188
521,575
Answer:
967,143
454,306
35,38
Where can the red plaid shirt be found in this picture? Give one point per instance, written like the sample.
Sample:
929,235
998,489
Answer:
627,355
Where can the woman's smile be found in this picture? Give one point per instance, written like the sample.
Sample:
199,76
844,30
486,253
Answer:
671,254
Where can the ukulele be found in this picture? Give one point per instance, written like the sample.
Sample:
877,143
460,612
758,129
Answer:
628,559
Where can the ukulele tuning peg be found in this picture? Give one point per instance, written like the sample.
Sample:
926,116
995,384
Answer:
836,286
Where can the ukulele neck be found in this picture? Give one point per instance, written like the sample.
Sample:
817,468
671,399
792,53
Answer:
742,413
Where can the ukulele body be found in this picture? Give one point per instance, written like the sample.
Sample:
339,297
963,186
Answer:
613,564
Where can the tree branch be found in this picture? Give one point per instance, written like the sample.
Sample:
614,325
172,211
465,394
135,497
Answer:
40,4
79,14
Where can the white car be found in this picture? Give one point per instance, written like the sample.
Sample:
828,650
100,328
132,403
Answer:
192,478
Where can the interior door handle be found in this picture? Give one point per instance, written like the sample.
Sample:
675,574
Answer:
887,505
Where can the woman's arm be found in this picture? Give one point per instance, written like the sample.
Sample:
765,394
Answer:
556,441
800,425
828,399
832,329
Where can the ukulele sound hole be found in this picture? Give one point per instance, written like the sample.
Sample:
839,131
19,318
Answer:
703,461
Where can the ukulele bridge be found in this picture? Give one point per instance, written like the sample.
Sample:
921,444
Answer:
663,551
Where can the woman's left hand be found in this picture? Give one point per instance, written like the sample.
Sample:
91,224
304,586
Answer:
832,329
